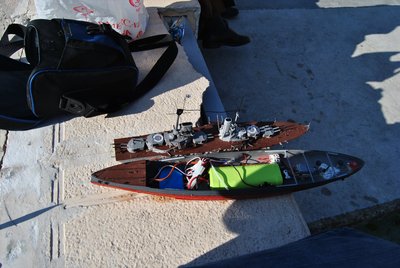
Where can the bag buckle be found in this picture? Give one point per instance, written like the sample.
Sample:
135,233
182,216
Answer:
103,28
72,106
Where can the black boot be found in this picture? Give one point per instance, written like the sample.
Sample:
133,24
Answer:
230,12
217,33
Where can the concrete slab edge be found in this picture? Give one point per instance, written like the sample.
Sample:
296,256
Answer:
353,217
301,218
3,144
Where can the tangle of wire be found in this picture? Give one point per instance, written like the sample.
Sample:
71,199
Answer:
191,182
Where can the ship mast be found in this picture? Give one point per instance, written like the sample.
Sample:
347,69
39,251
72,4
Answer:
179,112
236,116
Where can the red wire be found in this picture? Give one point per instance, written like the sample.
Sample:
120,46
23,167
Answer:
169,174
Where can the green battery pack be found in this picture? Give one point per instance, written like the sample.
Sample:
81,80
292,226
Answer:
232,177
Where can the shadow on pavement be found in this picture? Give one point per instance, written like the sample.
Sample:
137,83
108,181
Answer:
334,67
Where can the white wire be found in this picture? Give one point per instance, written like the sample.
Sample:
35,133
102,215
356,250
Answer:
219,178
218,161
191,160
189,171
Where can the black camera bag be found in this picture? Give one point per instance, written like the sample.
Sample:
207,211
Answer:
74,67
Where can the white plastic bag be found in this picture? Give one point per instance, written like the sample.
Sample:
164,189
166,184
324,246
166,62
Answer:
128,17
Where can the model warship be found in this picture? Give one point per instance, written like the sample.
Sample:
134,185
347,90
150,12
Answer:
230,175
212,137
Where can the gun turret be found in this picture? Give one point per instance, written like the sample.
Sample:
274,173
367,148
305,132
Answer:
186,127
224,130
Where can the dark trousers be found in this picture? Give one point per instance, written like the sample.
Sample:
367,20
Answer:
229,3
210,10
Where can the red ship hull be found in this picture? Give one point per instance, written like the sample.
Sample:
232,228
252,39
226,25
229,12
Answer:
137,176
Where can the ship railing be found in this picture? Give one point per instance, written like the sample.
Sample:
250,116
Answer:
291,169
308,167
331,163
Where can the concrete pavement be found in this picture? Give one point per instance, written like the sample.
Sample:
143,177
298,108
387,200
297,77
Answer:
335,67
332,63
52,216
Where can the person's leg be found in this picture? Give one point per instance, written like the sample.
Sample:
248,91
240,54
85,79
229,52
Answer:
218,7
229,3
214,30
205,14
211,8
217,33
230,10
